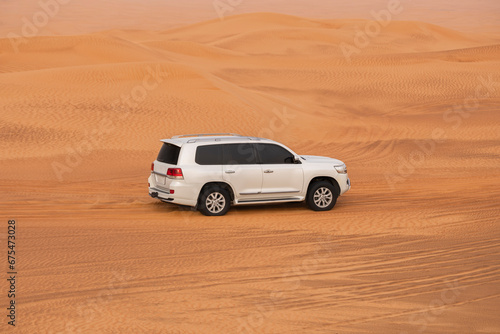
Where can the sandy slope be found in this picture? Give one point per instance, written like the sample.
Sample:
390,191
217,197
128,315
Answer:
413,247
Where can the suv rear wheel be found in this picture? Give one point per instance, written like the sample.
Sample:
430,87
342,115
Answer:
321,196
214,201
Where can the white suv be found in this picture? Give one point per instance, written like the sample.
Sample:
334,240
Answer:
212,171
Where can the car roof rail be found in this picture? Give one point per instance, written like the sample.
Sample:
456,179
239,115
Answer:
207,135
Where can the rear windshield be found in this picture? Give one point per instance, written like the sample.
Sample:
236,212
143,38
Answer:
169,154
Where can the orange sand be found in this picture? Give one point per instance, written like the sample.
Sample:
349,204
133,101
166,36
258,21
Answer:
413,247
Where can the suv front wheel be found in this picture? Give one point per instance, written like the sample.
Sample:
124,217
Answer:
321,196
214,201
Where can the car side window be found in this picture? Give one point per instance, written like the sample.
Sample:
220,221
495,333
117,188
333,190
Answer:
238,154
274,154
209,155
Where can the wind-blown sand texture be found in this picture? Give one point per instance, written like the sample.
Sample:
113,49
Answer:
413,247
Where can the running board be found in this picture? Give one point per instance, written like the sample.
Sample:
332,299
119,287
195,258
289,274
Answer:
270,200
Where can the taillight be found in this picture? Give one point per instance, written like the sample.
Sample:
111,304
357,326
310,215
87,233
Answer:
152,166
175,173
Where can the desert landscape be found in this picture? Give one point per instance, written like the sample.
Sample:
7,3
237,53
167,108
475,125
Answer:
406,94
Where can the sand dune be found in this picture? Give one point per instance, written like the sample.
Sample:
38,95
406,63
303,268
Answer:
413,247
68,51
271,32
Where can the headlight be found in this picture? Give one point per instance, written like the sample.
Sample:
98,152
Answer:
341,169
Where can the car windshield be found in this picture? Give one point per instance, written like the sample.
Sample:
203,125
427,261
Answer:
169,154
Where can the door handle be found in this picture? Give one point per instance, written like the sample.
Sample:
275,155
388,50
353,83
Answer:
267,171
230,172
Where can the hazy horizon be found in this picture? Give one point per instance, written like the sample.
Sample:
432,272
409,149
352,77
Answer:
81,17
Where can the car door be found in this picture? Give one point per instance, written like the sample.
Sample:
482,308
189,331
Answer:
282,177
241,170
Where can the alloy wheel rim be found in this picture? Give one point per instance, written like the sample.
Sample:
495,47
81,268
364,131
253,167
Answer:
215,202
323,197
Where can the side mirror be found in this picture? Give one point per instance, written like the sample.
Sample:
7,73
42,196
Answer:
296,159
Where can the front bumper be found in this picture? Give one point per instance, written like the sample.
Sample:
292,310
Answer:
344,183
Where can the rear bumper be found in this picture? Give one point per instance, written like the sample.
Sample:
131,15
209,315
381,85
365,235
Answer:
160,194
182,195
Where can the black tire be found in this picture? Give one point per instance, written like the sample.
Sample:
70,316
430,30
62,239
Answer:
214,201
321,196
